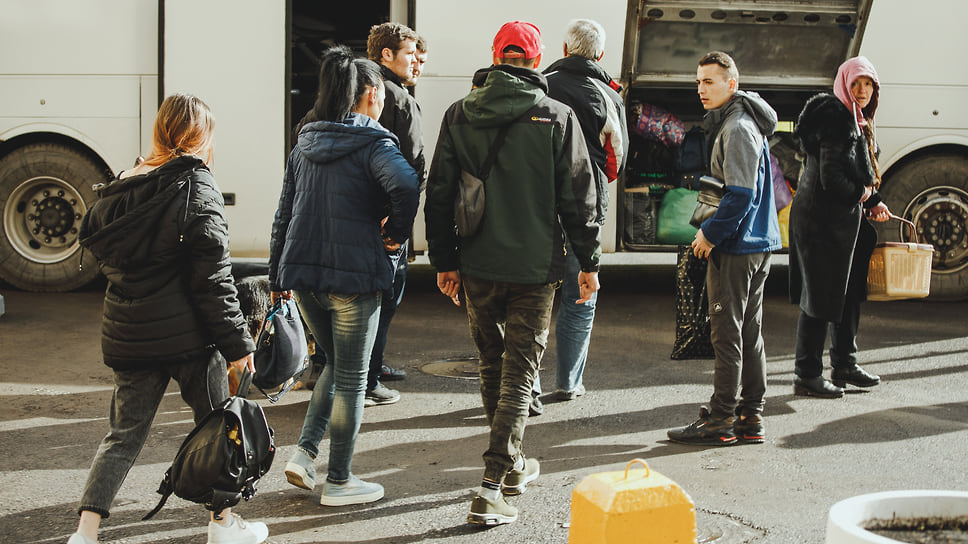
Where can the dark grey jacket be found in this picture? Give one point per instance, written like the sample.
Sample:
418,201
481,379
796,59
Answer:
162,241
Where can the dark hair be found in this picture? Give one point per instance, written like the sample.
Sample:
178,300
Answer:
387,36
723,60
343,80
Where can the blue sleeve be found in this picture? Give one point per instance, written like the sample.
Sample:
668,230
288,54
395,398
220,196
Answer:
733,208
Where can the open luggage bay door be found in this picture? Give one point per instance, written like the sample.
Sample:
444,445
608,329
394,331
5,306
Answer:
781,43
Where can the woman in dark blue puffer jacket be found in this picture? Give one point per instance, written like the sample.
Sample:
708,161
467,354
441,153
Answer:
348,198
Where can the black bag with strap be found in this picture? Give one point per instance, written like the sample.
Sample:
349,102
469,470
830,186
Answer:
471,198
222,459
281,351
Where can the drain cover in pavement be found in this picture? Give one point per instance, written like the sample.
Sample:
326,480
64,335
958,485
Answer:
458,367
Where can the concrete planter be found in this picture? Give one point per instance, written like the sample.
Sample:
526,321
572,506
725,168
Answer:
845,524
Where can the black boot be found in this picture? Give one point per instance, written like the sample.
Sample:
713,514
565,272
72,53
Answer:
855,376
816,387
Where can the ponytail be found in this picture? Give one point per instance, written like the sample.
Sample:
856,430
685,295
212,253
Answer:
343,80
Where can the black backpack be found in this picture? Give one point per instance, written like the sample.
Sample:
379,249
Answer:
223,457
693,159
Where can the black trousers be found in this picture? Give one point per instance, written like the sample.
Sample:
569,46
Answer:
812,335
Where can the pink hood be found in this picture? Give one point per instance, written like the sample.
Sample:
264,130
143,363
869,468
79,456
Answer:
848,72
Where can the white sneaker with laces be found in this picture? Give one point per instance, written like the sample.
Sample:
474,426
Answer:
78,538
237,531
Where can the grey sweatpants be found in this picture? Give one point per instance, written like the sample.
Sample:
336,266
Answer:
735,287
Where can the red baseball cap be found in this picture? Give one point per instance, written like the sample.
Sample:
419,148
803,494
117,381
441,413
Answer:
521,34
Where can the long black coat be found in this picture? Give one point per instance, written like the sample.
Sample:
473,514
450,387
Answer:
830,240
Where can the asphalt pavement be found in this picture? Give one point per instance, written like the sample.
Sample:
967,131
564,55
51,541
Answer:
908,433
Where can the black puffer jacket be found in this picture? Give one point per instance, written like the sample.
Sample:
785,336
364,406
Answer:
830,241
162,242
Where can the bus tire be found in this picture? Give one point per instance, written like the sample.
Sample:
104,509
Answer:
932,192
45,189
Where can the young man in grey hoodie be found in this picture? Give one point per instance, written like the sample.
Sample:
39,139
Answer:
738,241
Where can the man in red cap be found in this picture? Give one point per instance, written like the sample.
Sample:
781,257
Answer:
538,181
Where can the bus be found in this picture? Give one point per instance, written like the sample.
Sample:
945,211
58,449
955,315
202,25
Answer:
80,83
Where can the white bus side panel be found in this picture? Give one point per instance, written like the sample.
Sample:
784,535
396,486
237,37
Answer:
79,37
232,56
102,112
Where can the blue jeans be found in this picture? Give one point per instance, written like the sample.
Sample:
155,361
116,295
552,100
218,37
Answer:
392,298
573,329
344,327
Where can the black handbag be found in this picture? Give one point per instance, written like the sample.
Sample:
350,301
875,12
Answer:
281,353
710,194
692,308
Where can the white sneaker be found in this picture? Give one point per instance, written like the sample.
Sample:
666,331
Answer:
353,491
78,538
301,470
238,531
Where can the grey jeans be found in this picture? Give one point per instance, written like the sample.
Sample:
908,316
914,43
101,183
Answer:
509,324
137,394
735,287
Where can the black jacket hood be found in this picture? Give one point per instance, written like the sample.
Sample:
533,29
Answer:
118,227
824,119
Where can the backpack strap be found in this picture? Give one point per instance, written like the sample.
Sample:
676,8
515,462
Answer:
492,154
165,490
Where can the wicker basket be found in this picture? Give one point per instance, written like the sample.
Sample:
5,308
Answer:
900,270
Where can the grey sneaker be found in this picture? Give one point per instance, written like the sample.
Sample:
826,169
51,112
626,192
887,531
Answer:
352,491
562,395
516,481
488,512
237,531
381,395
301,470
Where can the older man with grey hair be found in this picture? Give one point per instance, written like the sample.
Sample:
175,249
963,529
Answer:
580,82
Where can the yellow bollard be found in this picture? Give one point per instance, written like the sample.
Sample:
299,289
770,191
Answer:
637,507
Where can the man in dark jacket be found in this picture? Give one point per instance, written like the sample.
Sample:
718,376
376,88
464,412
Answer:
738,241
394,46
579,82
541,182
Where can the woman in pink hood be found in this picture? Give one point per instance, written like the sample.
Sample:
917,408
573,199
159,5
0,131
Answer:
831,240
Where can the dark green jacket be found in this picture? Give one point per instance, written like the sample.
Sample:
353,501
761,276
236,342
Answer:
540,184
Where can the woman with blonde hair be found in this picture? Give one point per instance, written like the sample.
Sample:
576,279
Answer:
170,307
831,240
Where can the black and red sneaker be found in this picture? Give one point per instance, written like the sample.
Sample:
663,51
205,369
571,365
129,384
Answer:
748,428
705,431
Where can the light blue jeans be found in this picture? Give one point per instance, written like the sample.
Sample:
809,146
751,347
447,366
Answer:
344,327
573,328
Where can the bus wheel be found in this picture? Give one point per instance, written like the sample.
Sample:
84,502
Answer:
932,192
45,189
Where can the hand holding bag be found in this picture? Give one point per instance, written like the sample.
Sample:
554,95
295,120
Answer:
281,353
469,205
710,194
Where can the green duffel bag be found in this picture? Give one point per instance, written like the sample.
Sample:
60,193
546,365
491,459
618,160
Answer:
673,226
